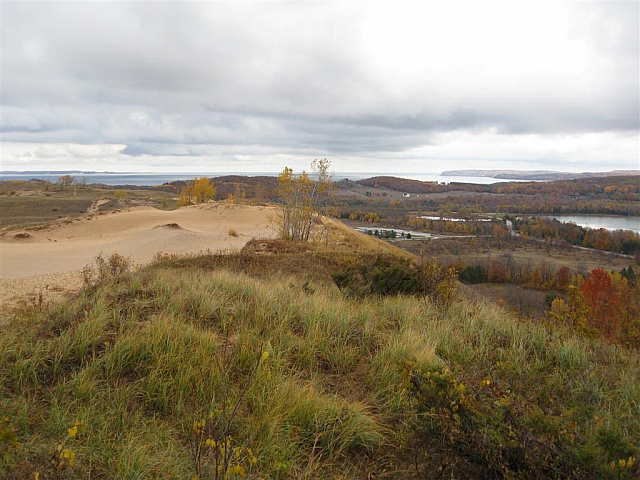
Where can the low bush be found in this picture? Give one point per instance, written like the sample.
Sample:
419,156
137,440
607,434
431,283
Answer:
466,426
385,276
106,268
473,274
388,275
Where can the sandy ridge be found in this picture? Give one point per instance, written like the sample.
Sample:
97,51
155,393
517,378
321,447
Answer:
49,260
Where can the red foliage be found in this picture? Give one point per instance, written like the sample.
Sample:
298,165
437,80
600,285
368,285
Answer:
563,277
597,288
605,302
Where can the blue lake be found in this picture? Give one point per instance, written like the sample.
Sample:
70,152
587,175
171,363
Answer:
148,179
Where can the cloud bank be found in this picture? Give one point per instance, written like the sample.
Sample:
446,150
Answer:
374,86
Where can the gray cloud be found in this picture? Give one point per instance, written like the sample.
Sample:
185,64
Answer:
169,79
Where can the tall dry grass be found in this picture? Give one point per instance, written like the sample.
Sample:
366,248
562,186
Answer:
136,359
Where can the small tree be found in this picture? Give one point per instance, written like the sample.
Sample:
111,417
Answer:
302,200
200,190
563,277
239,196
66,181
203,190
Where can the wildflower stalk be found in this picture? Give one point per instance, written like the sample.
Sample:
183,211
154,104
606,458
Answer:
216,434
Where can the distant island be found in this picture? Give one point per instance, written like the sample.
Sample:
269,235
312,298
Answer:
536,174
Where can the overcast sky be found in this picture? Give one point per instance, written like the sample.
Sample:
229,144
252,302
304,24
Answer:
373,86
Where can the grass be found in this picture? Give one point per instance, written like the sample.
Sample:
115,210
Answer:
21,211
27,204
344,236
138,358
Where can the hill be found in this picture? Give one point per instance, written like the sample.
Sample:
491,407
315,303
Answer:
539,174
255,365
598,195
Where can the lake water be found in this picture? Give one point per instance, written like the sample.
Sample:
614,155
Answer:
601,221
450,219
138,179
148,179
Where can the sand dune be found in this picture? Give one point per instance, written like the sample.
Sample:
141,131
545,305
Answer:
52,255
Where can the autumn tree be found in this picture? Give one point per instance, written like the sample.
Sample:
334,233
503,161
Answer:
66,180
604,303
599,298
497,272
200,190
572,312
563,277
239,196
302,198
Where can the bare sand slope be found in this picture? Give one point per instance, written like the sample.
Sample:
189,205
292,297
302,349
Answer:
53,256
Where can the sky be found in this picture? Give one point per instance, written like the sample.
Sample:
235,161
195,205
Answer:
252,86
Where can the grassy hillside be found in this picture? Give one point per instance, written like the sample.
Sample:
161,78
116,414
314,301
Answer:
255,365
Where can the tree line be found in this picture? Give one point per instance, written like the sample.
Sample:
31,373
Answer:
619,241
602,304
625,188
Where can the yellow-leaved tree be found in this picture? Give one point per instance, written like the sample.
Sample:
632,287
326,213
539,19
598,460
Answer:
303,197
239,196
199,190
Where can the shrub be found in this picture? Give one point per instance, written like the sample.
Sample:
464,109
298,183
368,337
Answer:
473,274
386,276
439,282
106,267
462,429
396,276
629,247
112,266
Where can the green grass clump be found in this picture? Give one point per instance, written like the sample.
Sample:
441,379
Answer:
159,368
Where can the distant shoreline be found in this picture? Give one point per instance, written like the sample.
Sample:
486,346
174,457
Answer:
538,175
479,177
153,179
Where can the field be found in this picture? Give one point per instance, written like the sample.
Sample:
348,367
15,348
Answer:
528,301
473,249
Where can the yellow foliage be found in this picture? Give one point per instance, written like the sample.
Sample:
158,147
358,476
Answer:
200,190
238,197
237,470
301,200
